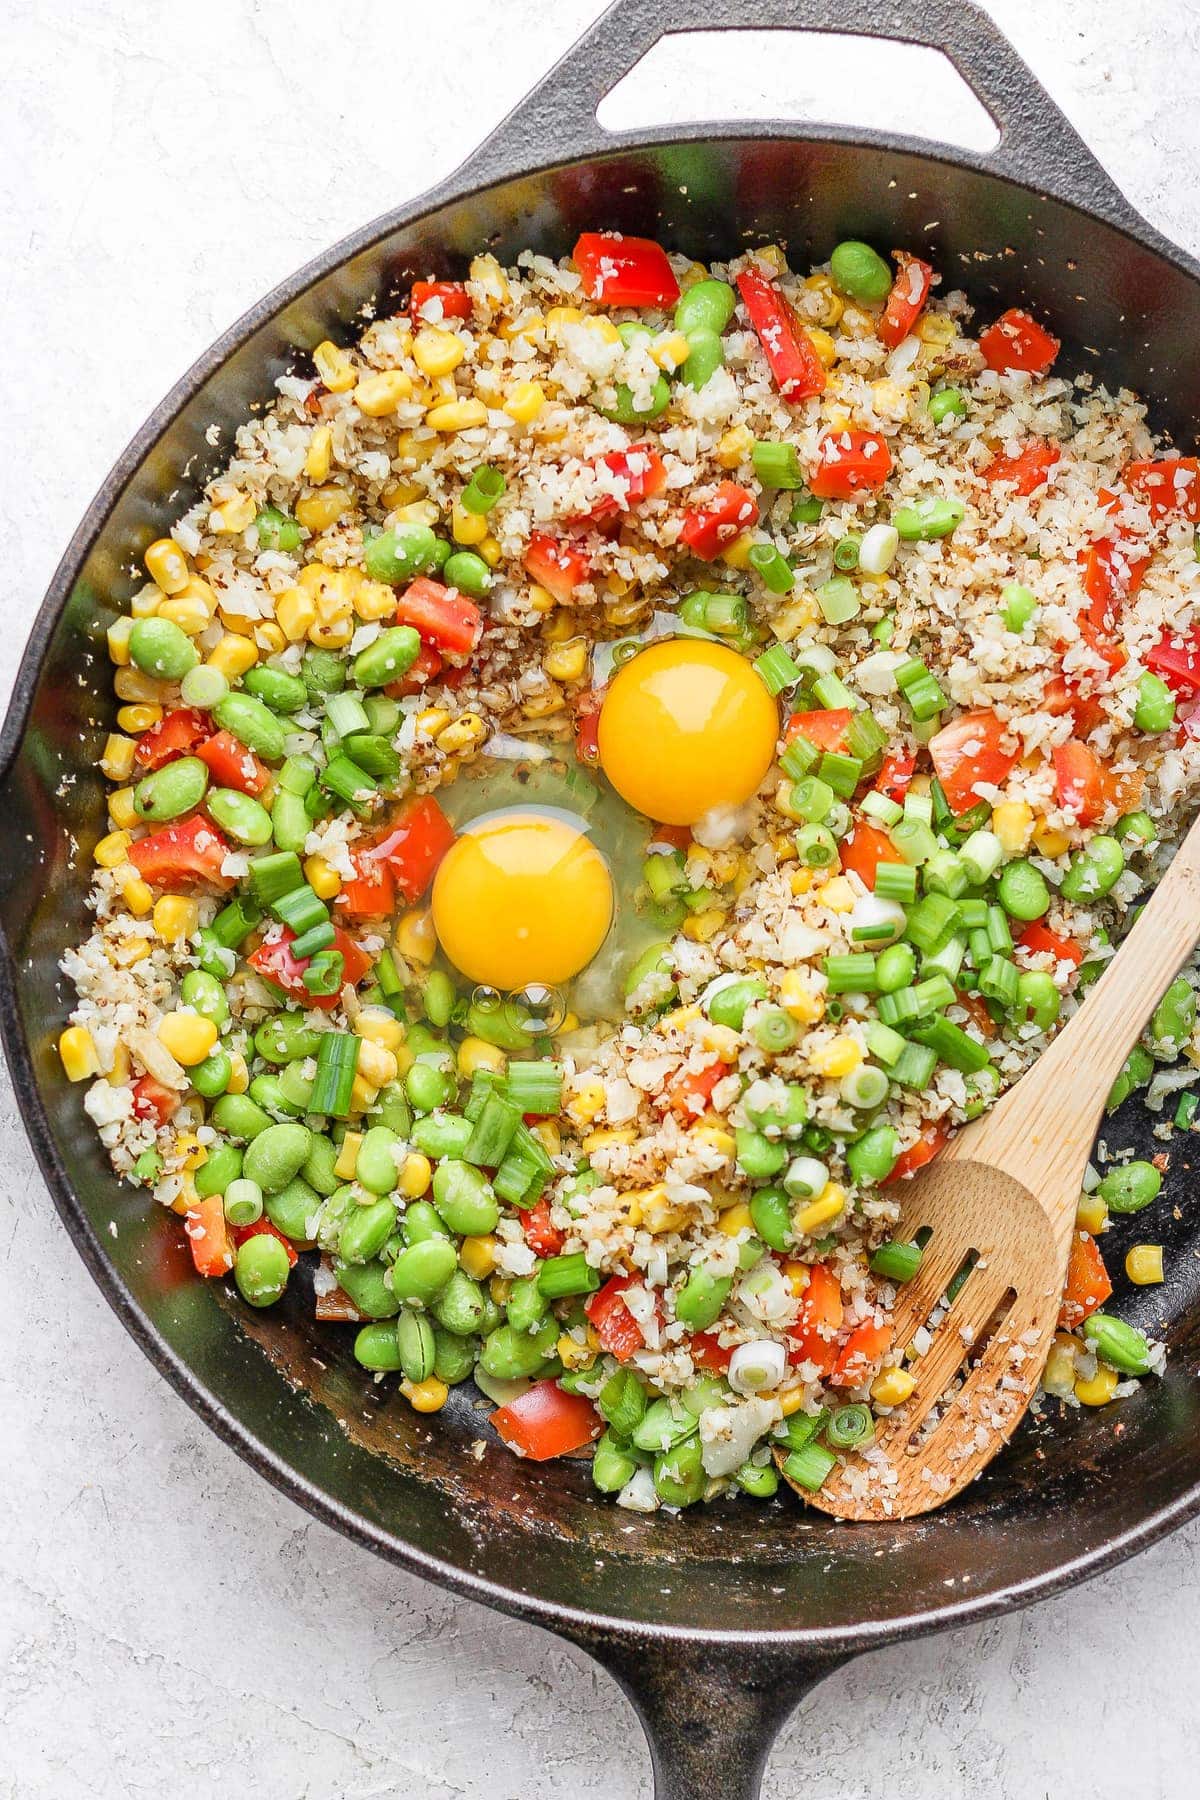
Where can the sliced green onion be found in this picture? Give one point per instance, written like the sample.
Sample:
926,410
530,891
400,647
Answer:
896,1260
866,739
806,511
881,808
493,1131
324,975
832,693
864,1087
850,1426
536,1087
301,909
947,959
914,840
838,600
885,1045
841,773
944,874
815,846
483,490
370,751
896,881
900,1007
810,1467
932,919
561,1276
853,973
272,876
773,568
337,1061
998,981
800,756
346,781
846,552
318,937
776,670
812,798
779,466
952,1045
915,1068
981,855
775,1031
234,923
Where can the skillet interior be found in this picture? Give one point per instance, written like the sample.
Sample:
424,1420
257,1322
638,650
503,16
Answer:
293,1400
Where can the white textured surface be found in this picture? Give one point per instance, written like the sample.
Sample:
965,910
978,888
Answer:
168,1624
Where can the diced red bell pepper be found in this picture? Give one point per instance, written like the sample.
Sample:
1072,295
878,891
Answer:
709,529
541,1234
419,837
1060,696
1111,652
896,773
827,730
906,302
1017,341
274,961
190,849
1112,573
587,728
544,1422
811,1338
864,1347
1028,469
918,1154
977,1011
1176,657
208,1237
443,617
426,668
264,1228
372,892
231,765
641,471
625,271
849,463
454,298
177,733
967,754
1039,937
864,850
1171,485
691,1094
560,565
153,1100
619,1332
1087,1286
798,370
1081,780
709,1354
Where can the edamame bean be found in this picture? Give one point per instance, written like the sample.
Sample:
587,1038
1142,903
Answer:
464,1198
295,1087
1018,606
261,1269
441,1134
211,1077
1155,709
728,1006
759,1480
365,1231
420,1273
206,996
460,1308
771,1212
706,306
857,270
367,1287
1139,1067
871,1157
612,1464
453,1357
333,1215
222,1165
1130,1187
679,1477
158,647
252,724
663,1424
323,672
375,1347
243,818
1174,1017
783,1111
286,1037
400,553
282,692
294,1210
421,1222
438,997
277,1155
267,1091
625,412
706,354
947,403
377,1167
177,788
417,1344
468,573
428,1087
1022,891
1038,996
526,1305
1093,871
933,517
511,1355
277,530
1117,1343
895,967
757,1156
700,1300
389,658
239,1116
318,1171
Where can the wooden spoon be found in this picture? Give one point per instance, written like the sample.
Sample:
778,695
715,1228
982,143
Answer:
1004,1192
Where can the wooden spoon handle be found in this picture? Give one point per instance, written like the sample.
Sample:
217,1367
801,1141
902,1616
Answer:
1042,1130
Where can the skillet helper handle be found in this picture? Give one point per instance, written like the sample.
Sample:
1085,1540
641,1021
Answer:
1038,146
711,1712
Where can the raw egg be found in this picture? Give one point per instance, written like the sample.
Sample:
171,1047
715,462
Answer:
686,726
522,897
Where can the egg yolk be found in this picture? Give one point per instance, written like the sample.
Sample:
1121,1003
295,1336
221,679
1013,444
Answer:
522,897
686,726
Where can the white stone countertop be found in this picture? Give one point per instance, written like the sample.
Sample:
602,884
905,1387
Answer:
168,1623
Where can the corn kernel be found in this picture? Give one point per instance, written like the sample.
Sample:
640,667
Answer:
937,328
774,257
323,507
374,600
186,1198
131,684
138,896
187,1036
1091,1214
608,1140
735,446
167,565
378,395
571,1353
1058,1377
376,1064
347,1156
703,927
269,638
467,527
233,655
415,1175
363,1095
1012,822
1050,843
437,352
649,1209
319,458
525,401
892,1387
233,516
322,877
832,304
296,612
500,1289
791,1402
131,950
558,316
548,1136
379,1026
239,1074
117,640
566,662
478,1256
671,352
112,850
1099,1390
799,999
117,757
462,734
136,719
1144,1264
198,590
175,917
188,612
192,1152
415,937
586,1103
823,344
737,556
837,895
457,415
487,274
717,1139
889,398
840,1057
334,634
334,367
735,1219
428,1396
77,1051
828,1205
120,1069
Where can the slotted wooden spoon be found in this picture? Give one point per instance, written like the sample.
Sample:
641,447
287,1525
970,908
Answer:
1004,1191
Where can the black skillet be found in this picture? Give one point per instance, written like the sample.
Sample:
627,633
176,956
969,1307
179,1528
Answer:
717,1621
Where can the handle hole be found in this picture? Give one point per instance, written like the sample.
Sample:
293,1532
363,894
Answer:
827,77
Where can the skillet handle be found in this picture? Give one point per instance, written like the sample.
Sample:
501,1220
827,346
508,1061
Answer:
1037,146
710,1712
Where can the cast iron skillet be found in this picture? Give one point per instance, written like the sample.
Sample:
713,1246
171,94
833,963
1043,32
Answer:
715,1622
